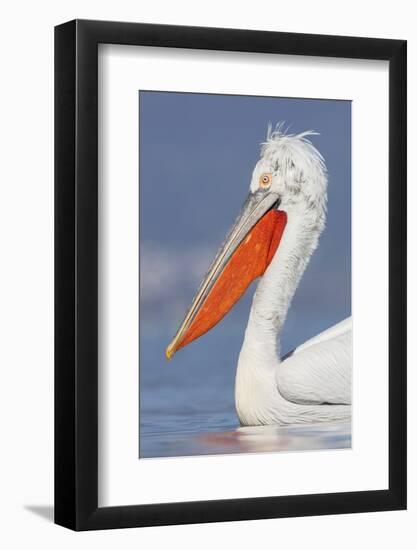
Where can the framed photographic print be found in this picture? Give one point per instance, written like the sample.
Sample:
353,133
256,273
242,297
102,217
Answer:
230,274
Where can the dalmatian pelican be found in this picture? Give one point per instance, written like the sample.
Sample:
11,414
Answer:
273,238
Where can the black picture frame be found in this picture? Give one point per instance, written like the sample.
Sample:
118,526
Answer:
76,272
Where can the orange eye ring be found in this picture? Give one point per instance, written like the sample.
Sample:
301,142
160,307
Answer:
265,181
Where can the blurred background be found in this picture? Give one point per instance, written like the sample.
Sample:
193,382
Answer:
197,153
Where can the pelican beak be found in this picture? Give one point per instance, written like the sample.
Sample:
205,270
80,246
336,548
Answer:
244,256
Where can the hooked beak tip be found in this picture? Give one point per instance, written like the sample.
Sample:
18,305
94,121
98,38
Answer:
169,352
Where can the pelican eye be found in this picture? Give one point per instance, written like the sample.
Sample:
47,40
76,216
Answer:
265,181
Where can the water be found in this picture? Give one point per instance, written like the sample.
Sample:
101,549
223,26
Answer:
187,404
199,439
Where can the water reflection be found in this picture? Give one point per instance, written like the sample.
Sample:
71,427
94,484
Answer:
257,439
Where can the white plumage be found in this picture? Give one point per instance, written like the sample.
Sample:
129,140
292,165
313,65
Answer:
313,383
319,371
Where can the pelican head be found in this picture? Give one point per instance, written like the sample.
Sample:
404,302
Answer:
289,179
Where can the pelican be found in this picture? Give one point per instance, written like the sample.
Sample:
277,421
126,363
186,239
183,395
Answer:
273,238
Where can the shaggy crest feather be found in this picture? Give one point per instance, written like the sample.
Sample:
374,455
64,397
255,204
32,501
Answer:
296,165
